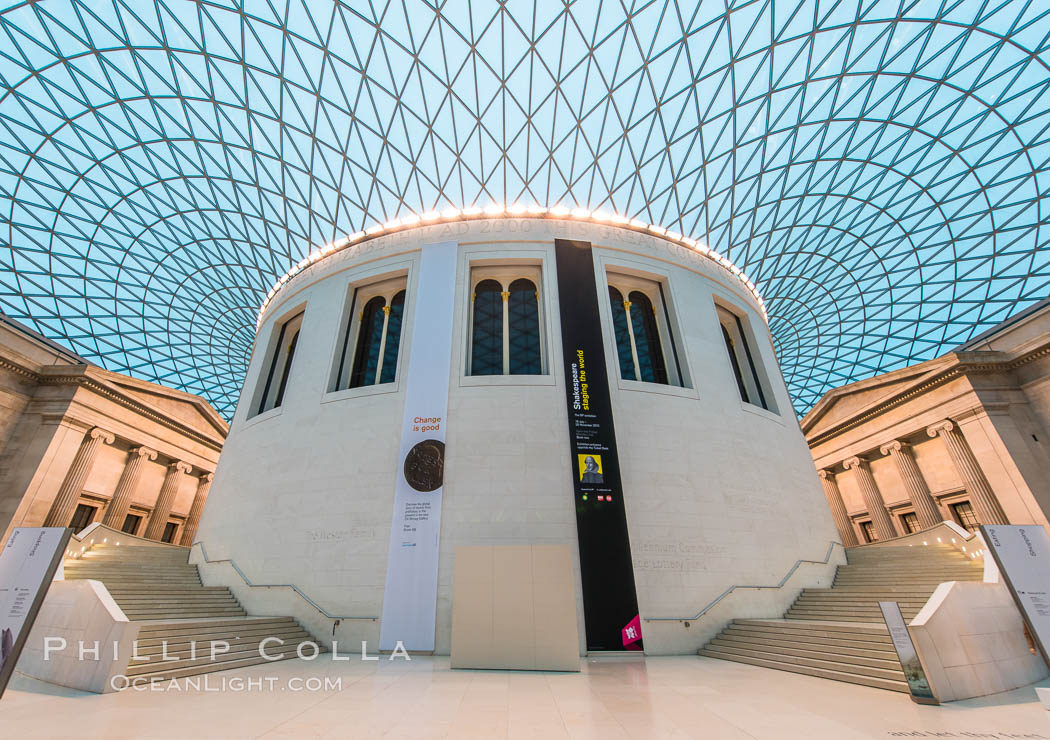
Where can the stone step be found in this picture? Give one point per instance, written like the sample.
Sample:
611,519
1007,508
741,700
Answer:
766,661
234,609
170,626
132,569
861,602
846,653
190,614
125,555
186,598
887,591
206,661
822,661
175,672
834,613
863,637
810,617
149,644
871,606
857,571
883,661
812,642
926,582
184,645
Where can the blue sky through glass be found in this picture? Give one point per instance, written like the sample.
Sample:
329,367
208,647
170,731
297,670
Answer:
879,169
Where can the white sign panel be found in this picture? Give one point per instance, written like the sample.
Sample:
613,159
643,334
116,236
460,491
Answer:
1022,553
410,600
918,685
27,565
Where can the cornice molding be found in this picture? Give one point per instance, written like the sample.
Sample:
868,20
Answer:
108,391
18,368
961,365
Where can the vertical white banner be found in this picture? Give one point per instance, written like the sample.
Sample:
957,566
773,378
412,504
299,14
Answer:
410,598
27,564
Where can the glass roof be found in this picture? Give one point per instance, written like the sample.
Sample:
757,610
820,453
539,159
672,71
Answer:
879,169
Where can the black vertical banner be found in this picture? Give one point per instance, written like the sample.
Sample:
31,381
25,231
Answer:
610,603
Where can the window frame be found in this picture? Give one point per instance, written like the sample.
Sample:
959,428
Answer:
746,364
265,376
386,286
505,272
958,518
655,289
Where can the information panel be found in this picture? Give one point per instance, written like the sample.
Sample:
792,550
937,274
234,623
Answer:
1022,553
27,567
609,600
410,598
918,685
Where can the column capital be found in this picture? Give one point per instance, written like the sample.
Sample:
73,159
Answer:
207,477
100,433
940,427
891,447
143,451
180,466
854,462
826,474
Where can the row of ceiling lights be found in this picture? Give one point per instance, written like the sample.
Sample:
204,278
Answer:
498,210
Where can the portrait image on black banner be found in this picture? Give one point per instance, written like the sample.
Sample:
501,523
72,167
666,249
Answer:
610,602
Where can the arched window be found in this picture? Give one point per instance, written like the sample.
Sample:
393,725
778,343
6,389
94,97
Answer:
731,349
486,341
396,311
644,345
287,369
506,328
745,371
624,351
651,366
373,336
369,337
523,328
280,366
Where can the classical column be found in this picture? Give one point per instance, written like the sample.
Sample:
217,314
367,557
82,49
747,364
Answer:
65,503
985,504
914,483
129,479
838,509
165,500
884,528
194,519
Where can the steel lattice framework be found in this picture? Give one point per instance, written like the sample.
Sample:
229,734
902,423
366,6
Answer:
878,168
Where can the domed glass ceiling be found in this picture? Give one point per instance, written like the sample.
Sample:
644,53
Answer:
879,169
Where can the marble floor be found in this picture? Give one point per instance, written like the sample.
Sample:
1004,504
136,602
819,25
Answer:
675,697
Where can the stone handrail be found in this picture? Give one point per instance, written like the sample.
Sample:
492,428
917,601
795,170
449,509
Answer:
731,589
943,533
99,534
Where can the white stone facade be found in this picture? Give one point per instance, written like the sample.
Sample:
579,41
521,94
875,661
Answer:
718,492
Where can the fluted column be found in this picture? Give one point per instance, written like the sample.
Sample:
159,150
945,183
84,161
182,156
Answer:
165,500
194,519
129,479
869,490
65,503
914,483
985,504
838,509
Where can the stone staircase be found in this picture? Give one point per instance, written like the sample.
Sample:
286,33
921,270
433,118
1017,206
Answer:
838,632
181,618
